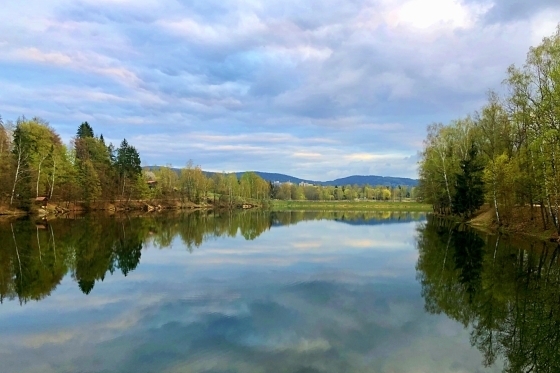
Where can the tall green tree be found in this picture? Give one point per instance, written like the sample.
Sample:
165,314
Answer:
84,131
469,190
128,166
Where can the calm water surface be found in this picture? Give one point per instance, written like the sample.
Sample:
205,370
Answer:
282,292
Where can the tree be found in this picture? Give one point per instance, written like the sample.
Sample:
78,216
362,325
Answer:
128,166
469,190
21,190
6,161
495,140
84,131
91,186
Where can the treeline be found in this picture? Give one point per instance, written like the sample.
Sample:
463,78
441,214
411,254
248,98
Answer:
506,154
290,191
35,163
194,185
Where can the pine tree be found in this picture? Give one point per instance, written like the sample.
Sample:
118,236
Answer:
128,165
84,131
469,190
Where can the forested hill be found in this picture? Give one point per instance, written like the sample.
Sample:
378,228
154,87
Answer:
359,180
373,180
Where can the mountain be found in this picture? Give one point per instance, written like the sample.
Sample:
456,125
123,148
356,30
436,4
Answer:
373,180
349,180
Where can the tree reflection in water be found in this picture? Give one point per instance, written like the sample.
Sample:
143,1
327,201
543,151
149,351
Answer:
35,256
507,291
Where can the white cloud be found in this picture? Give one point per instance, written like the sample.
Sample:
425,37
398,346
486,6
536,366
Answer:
424,14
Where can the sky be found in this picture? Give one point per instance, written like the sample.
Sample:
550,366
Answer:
317,89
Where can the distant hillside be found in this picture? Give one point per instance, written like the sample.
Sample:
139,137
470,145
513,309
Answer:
373,180
349,180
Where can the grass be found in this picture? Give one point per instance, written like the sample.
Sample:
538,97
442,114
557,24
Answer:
349,206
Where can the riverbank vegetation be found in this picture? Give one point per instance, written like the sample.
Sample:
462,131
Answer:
507,154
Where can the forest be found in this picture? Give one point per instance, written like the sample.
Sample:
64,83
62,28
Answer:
36,164
507,154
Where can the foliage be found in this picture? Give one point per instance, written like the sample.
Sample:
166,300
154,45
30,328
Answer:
469,193
37,164
519,141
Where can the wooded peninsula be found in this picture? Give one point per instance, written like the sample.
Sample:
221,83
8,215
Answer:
506,155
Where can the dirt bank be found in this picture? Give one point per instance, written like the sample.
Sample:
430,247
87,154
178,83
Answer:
521,220
54,208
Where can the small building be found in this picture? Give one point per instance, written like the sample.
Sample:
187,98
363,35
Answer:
152,184
43,201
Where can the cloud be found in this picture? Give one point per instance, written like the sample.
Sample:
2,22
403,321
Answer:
503,11
366,76
34,54
422,14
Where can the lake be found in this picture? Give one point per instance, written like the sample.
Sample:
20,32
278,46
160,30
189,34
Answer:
255,291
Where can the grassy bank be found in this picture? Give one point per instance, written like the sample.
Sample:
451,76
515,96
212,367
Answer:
349,206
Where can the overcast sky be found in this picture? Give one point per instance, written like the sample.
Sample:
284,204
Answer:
318,89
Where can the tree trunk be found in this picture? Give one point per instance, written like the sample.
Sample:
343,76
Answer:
39,176
555,184
52,184
495,197
18,168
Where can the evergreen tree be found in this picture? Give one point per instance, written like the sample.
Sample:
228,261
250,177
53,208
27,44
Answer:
469,191
84,131
128,165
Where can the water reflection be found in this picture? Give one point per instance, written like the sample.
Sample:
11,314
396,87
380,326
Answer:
36,255
507,291
213,293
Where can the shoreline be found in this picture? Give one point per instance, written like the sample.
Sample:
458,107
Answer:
59,208
520,224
